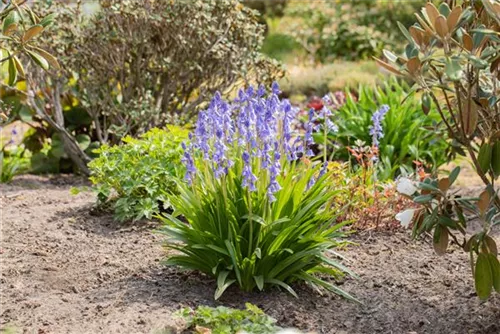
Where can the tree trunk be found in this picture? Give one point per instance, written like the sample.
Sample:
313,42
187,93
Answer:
71,147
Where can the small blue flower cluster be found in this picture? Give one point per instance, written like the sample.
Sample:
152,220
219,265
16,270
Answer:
376,130
256,127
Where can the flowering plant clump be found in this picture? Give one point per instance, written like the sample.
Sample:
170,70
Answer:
257,216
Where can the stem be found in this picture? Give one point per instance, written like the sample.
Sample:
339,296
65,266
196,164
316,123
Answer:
250,224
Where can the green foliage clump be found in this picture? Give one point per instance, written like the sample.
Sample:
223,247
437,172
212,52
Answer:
408,134
14,160
224,320
244,240
139,175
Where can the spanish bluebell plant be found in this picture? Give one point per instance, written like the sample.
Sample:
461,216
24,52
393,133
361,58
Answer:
256,213
376,129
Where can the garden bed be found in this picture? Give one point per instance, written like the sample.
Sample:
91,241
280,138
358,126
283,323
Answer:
67,268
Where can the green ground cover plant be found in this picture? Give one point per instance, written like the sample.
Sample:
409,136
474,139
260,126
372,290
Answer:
224,320
138,176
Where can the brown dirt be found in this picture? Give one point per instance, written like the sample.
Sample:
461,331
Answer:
67,269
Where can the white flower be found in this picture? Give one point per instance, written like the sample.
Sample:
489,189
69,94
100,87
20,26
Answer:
405,217
405,186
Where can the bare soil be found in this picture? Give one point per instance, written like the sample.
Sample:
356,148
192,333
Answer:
66,268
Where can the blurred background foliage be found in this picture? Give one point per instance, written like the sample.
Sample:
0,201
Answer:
130,66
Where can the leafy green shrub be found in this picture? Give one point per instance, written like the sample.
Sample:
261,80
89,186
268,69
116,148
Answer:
166,69
223,320
254,216
408,135
139,174
353,30
452,55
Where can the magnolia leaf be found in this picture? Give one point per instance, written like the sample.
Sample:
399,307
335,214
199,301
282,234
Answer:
468,42
38,59
390,56
10,23
32,32
48,20
426,103
495,159
19,66
417,34
469,116
423,199
453,18
491,244
454,174
388,67
424,24
50,58
440,240
484,202
495,271
405,32
432,13
12,72
444,184
453,70
483,277
484,157
444,9
470,244
413,65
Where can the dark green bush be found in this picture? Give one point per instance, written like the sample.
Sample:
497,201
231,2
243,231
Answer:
139,175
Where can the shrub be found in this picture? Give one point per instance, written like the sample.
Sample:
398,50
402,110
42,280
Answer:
222,320
173,55
452,55
407,134
255,215
139,175
329,30
456,66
